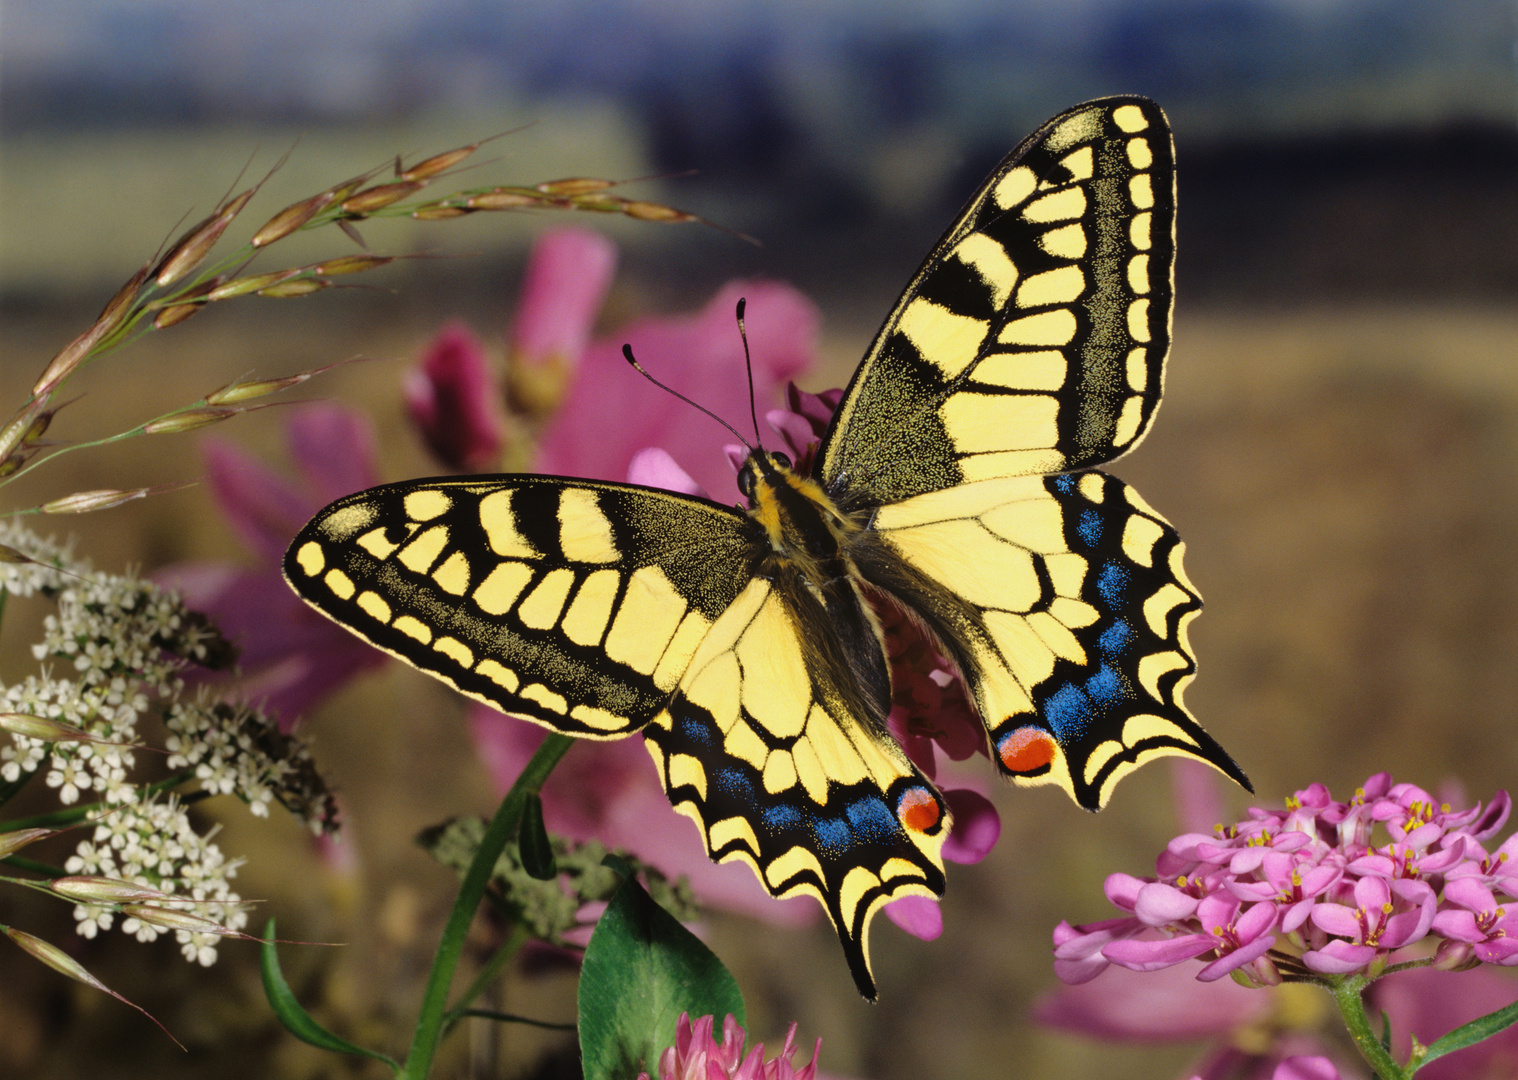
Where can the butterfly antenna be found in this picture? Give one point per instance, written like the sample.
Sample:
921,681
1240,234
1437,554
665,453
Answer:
748,364
627,353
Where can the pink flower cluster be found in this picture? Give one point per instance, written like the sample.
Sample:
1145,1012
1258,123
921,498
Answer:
696,1055
1311,893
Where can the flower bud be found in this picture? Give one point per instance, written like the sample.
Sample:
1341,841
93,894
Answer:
174,919
573,186
83,502
247,390
105,890
13,841
64,964
197,243
53,957
647,211
175,314
75,352
381,195
353,264
42,727
438,212
1455,955
290,218
189,420
297,287
503,199
243,286
437,163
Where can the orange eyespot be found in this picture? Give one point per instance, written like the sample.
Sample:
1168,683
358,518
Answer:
1026,750
918,810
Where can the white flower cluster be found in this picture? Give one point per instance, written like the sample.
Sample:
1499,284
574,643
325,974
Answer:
124,642
151,842
239,751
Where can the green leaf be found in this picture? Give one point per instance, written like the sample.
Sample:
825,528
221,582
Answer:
298,1021
642,970
1483,1027
532,841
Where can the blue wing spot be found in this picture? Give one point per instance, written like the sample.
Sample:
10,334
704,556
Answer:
1089,528
1105,688
1116,639
1112,583
833,835
872,819
735,785
1068,711
695,729
1065,485
782,817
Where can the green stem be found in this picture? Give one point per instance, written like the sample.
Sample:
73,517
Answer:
1349,996
500,831
487,975
513,1018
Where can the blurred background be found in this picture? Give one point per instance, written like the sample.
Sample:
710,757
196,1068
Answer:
1338,446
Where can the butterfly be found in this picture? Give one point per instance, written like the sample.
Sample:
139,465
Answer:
954,479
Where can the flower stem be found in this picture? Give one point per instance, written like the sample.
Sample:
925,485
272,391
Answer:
1349,996
502,827
487,975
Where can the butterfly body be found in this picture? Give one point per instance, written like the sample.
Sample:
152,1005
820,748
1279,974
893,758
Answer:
953,484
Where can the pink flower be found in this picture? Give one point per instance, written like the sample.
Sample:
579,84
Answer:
455,400
611,413
568,275
696,1055
1310,871
1475,917
291,657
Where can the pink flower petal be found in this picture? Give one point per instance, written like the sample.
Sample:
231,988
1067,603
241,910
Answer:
653,467
1153,955
1236,959
454,398
919,916
567,277
700,355
1339,957
977,826
1159,904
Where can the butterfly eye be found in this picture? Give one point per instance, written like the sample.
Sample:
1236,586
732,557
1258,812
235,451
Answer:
746,480
783,460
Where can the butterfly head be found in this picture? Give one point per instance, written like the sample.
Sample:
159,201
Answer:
763,467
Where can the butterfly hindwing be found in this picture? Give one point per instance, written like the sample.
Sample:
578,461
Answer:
762,749
1074,647
574,603
1033,338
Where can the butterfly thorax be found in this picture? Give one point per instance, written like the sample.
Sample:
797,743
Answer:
804,529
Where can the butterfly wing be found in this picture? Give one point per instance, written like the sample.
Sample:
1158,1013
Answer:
595,608
1033,342
1074,645
1033,338
574,603
807,788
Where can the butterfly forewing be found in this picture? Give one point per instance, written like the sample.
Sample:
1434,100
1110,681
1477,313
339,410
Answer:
1033,338
574,603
